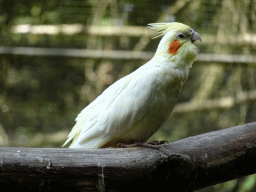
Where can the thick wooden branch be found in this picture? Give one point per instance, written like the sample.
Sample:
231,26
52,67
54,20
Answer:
184,165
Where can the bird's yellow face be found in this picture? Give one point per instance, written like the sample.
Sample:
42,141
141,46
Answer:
178,41
181,37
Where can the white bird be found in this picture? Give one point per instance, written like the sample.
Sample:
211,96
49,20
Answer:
135,107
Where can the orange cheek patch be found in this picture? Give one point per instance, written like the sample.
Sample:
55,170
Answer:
174,46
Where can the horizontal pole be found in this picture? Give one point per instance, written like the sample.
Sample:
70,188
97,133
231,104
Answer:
213,104
123,30
118,54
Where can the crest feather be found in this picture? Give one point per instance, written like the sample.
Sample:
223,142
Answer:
163,28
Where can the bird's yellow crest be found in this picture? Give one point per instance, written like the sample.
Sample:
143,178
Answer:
163,28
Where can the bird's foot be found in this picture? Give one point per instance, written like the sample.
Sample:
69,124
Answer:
151,145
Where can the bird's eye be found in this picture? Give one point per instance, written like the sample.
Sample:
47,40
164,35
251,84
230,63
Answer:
181,36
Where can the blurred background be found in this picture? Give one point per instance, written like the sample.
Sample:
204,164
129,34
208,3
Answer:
57,56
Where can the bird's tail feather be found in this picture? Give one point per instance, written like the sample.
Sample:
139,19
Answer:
93,143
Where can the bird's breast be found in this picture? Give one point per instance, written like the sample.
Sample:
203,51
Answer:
163,99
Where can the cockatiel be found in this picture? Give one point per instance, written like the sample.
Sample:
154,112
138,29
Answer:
135,107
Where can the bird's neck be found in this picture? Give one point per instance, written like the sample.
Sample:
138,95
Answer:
173,61
171,70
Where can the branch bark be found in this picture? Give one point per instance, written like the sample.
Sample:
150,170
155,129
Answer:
185,165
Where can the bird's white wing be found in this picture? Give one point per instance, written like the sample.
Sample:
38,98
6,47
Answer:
117,108
91,113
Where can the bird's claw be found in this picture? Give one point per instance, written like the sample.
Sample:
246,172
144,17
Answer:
151,145
158,142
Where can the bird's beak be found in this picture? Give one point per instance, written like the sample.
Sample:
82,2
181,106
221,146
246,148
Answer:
195,36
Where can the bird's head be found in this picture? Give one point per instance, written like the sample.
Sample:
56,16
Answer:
177,44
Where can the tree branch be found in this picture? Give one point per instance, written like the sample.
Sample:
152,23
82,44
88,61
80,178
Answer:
185,165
